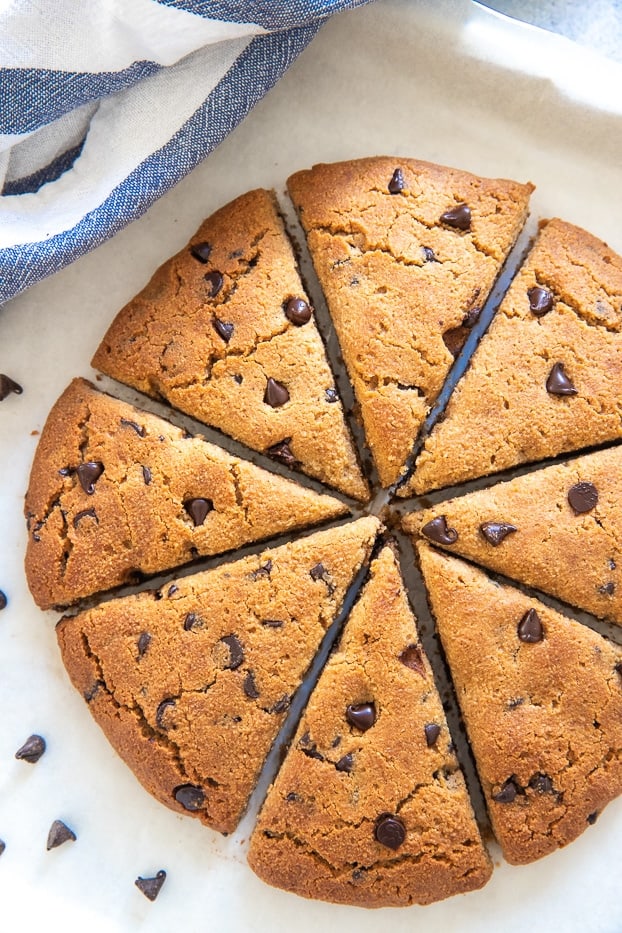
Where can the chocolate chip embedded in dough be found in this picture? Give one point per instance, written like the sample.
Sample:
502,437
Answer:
250,686
390,831
396,185
85,513
215,281
540,300
607,589
276,394
428,254
583,497
362,716
507,794
331,395
411,657
438,531
223,329
298,311
135,427
151,887
88,474
496,532
530,627
201,251
558,382
432,731
190,796
458,217
146,476
161,712
282,452
346,763
144,640
236,651
198,509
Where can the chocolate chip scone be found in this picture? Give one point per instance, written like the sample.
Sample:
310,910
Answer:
115,491
225,332
370,806
545,378
541,697
556,529
406,253
191,683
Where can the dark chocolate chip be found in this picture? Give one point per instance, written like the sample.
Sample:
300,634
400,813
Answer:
191,621
66,471
198,509
146,475
358,875
165,705
135,427
432,732
276,394
471,318
32,749
144,640
263,571
530,627
607,589
458,217
396,185
611,564
336,741
583,497
282,452
3,600
362,716
558,383
428,254
8,385
173,588
541,783
390,831
88,474
346,763
215,281
331,395
250,687
281,705
438,531
58,834
292,797
515,702
455,338
2,846
496,532
93,690
507,794
591,818
272,623
236,651
201,251
297,311
223,329
238,378
540,300
312,752
411,657
189,796
151,887
85,513
319,572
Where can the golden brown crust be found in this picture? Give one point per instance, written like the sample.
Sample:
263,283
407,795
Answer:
165,342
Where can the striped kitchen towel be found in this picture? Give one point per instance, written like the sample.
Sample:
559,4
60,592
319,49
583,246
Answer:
104,105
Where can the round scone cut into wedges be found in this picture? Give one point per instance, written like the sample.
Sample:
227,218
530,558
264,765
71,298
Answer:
370,806
541,697
115,492
407,253
226,333
192,682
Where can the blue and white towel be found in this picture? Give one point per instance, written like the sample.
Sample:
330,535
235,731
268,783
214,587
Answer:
105,105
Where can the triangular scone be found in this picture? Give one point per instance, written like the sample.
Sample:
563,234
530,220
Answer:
191,683
115,491
225,332
541,697
406,253
558,529
370,806
546,377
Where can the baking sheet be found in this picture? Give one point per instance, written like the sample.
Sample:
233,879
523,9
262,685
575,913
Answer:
445,81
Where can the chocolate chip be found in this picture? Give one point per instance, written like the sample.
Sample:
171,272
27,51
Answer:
58,834
223,329
411,657
607,589
32,749
198,509
201,251
236,651
93,690
146,475
2,846
151,887
173,588
144,640
390,831
276,394
292,797
85,513
319,572
496,532
530,627
250,687
541,783
272,623
558,383
583,497
8,385
165,705
189,796
516,702
540,300
238,378
438,531
346,763
471,318
361,716
507,794
312,752
336,741
88,474
192,622
458,217
297,311
263,571
396,185
455,338
281,705
591,818
282,452
331,395
432,732
135,427
428,254
3,600
215,282
611,564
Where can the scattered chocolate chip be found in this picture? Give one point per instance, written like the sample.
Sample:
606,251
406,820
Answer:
198,509
558,383
515,702
331,395
496,532
361,716
540,300
541,783
262,571
358,875
471,318
88,474
530,627
2,846
189,796
192,621
3,600
319,572
223,329
272,623
201,251
455,338
438,531
281,705
507,794
346,763
85,513
428,254
591,817
151,887
238,378
66,471
276,394
282,452
411,657
8,385
165,705
432,732
583,497
215,281
250,687
291,797
607,589
135,427
32,749
144,640
312,752
396,185
611,564
146,475
93,690
336,741
236,651
297,311
58,834
390,831
458,217
173,588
